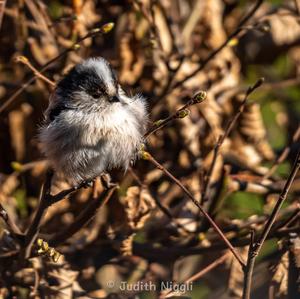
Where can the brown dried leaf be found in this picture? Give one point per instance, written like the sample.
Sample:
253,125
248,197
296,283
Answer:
236,276
279,281
138,204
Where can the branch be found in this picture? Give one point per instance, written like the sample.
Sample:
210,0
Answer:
154,253
147,156
46,200
256,247
219,49
222,138
102,30
2,7
12,227
24,60
86,215
297,7
283,155
163,209
210,267
180,113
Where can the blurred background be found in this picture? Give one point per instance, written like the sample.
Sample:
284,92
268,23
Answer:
150,231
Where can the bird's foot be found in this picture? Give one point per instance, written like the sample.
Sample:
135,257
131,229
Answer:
106,181
85,184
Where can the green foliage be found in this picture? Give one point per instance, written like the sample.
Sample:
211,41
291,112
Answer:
268,248
276,133
20,196
55,9
200,290
241,205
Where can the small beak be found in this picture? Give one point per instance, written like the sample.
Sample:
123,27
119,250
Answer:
114,99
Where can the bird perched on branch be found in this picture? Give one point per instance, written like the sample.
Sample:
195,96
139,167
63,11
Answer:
91,125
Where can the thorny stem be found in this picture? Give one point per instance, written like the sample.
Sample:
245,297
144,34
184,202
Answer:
147,156
255,248
222,138
102,30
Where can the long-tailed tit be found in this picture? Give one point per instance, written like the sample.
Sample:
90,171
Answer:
91,125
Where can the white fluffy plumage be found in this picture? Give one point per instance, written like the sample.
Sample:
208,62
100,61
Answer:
91,125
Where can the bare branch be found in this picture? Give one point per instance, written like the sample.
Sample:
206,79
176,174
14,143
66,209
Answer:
104,29
256,247
87,215
147,156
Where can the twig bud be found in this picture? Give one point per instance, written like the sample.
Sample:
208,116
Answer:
233,42
56,256
39,242
158,122
264,28
182,113
45,249
96,30
16,166
145,155
200,96
21,59
257,84
107,27
76,47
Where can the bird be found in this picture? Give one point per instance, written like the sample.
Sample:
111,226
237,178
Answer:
91,125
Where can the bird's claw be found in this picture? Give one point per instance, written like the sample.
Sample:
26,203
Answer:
85,184
106,181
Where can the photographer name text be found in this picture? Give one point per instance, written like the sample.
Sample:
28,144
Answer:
151,286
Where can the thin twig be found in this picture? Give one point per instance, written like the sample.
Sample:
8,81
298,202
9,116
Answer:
104,29
163,209
147,156
288,222
154,34
180,113
12,227
34,292
283,155
227,131
281,84
256,247
297,7
219,49
210,267
2,7
151,252
46,200
38,74
34,228
87,215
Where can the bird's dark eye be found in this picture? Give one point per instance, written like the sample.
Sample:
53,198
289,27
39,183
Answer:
96,94
97,91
